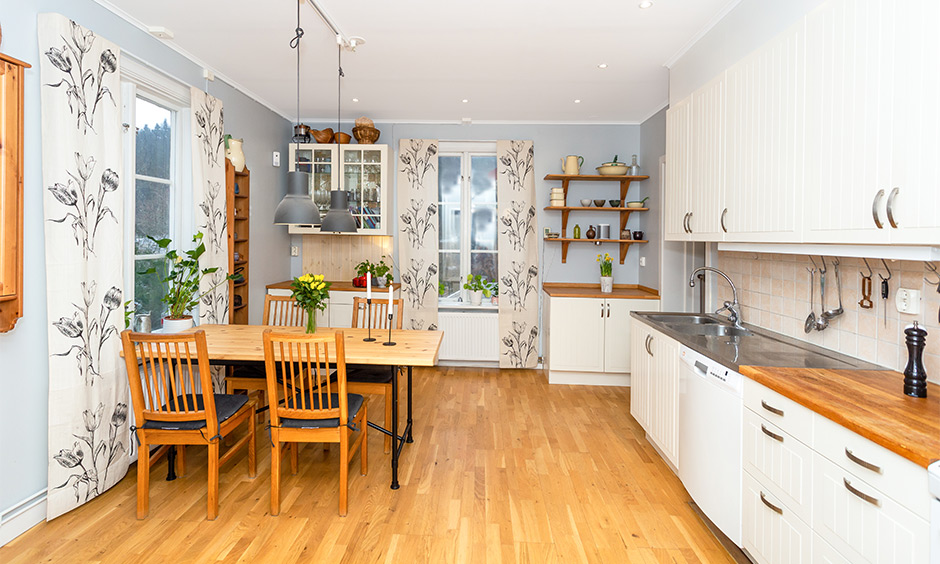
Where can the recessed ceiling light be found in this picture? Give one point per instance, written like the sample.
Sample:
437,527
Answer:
602,66
465,100
645,4
355,99
577,101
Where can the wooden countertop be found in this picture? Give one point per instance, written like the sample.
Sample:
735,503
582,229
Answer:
621,291
336,286
870,403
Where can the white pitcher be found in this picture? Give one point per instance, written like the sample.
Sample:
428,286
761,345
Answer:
235,153
572,164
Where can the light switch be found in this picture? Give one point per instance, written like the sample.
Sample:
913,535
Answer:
276,160
294,251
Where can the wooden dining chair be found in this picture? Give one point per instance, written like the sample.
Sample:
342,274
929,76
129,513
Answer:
368,378
283,311
174,404
315,408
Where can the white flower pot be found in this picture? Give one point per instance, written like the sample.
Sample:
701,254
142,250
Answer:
476,297
177,325
607,284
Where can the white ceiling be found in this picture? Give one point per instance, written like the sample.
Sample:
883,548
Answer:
513,60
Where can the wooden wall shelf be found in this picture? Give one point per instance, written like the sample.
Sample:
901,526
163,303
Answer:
239,222
624,245
623,180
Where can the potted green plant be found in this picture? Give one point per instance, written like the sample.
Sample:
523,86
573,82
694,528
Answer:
311,291
607,278
476,284
381,272
492,292
183,276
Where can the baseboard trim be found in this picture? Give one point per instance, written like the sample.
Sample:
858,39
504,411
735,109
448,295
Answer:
470,363
588,378
22,517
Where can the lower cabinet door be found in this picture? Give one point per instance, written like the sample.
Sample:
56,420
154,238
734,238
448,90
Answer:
861,522
823,553
640,373
772,533
664,395
577,334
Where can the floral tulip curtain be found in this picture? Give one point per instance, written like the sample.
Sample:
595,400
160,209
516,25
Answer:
518,255
83,203
208,153
418,240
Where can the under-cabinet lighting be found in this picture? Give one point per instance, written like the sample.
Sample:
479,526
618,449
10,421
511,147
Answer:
645,4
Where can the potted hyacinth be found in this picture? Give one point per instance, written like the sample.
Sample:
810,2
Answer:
182,282
607,268
311,292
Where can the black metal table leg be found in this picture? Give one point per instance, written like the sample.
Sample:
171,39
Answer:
410,438
395,438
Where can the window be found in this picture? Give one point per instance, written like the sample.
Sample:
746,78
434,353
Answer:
156,115
468,214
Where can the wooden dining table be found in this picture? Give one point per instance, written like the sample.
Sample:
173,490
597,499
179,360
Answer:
238,344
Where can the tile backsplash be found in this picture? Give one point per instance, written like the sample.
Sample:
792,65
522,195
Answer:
774,291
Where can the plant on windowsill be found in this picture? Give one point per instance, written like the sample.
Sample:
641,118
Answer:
311,292
476,285
492,292
182,282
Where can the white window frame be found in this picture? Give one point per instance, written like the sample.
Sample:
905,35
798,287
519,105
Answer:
465,150
140,80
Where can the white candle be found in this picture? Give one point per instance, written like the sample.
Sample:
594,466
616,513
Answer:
368,285
391,298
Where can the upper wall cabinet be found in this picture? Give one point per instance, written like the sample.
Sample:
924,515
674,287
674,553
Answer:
678,170
361,170
11,191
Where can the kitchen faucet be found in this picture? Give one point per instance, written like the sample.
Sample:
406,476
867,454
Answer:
734,316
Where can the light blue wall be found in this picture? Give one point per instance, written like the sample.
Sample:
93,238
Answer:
652,147
24,351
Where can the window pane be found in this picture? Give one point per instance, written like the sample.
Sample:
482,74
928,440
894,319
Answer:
152,203
450,226
483,227
148,290
449,178
372,156
352,156
483,263
153,139
449,273
483,179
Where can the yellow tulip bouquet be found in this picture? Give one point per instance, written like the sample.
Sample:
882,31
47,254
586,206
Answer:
311,292
606,265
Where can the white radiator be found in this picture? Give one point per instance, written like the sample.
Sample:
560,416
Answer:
469,335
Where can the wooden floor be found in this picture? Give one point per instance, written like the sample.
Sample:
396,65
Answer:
504,468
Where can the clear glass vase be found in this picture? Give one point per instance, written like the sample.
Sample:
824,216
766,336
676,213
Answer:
311,320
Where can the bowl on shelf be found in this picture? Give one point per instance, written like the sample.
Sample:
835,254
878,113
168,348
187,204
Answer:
637,203
322,135
341,138
611,169
600,203
365,135
585,203
614,203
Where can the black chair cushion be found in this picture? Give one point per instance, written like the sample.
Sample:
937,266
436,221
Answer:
354,401
225,407
368,373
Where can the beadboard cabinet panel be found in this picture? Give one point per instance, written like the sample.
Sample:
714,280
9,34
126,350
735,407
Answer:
707,180
769,536
678,169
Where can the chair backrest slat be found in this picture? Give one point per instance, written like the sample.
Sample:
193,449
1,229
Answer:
379,313
283,311
302,362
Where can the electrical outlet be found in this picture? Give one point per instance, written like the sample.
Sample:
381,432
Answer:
907,301
294,251
276,160
642,261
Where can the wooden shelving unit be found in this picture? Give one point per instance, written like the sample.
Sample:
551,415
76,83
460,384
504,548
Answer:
239,223
624,212
11,191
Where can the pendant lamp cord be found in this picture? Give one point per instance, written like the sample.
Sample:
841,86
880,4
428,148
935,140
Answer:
295,44
339,83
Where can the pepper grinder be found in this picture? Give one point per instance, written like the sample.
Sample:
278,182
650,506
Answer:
915,377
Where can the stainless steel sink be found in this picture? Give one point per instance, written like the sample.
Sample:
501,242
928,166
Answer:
710,330
682,318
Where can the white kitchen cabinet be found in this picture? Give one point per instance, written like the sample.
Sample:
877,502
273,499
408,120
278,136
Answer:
361,170
706,197
339,306
590,336
678,170
654,388
772,533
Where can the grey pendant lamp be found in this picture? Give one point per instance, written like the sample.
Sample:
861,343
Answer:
338,219
297,207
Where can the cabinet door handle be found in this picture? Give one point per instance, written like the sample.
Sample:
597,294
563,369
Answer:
863,463
685,227
688,216
602,310
862,495
690,222
874,208
890,207
771,409
724,212
771,434
608,310
774,508
649,340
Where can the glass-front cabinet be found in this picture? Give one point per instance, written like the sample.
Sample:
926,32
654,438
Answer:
361,170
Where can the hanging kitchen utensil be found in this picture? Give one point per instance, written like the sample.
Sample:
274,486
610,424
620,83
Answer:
866,302
810,323
822,321
884,289
832,313
933,269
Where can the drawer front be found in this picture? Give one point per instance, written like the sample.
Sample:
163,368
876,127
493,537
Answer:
782,464
899,478
823,553
861,522
782,412
772,533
